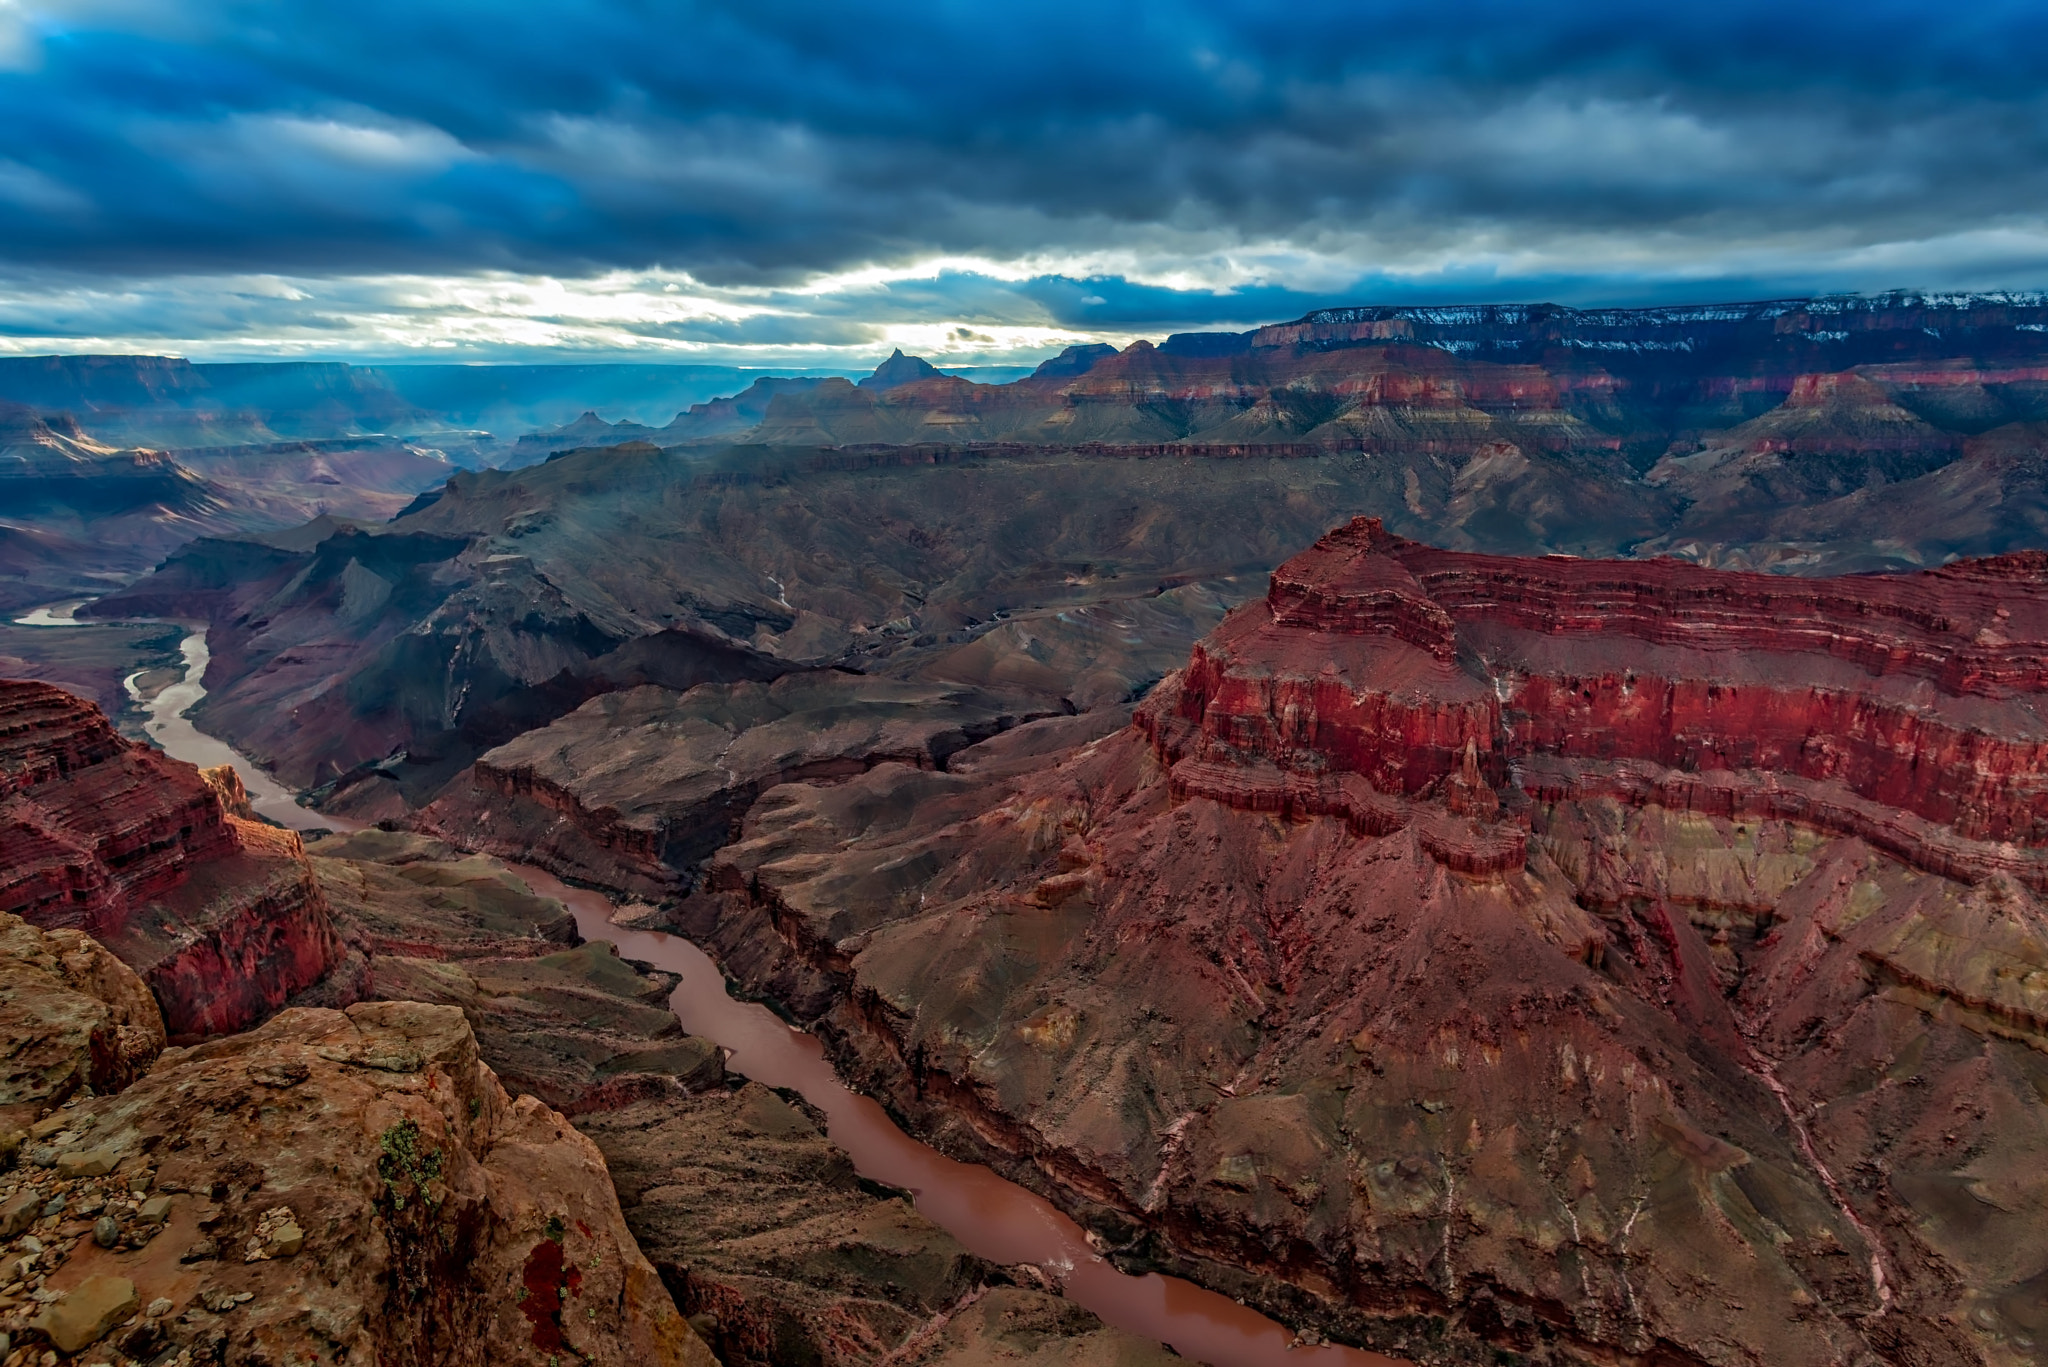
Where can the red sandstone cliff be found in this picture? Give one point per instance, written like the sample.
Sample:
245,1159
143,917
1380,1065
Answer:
1907,709
221,916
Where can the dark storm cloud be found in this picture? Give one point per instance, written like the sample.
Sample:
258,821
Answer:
761,142
261,177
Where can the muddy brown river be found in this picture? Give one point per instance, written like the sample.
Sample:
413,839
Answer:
994,1218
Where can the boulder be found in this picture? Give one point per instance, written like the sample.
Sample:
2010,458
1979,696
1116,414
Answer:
87,1312
72,1017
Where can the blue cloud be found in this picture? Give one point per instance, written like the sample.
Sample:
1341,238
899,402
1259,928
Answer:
1113,165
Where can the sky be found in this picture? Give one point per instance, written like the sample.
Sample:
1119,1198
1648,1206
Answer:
792,183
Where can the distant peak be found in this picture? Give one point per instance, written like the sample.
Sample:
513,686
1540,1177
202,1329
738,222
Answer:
899,370
589,421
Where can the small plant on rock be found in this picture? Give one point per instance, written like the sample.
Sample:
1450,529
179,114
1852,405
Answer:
422,1241
405,1160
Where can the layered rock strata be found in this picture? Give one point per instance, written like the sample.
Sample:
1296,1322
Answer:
1395,973
221,915
1906,709
1801,435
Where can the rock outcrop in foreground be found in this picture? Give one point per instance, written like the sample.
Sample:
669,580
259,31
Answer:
333,1187
74,1019
1621,961
221,915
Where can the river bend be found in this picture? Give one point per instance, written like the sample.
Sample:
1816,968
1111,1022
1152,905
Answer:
993,1218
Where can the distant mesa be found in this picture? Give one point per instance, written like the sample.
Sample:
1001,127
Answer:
1075,360
1887,388
21,424
587,431
1204,345
50,459
738,412
900,370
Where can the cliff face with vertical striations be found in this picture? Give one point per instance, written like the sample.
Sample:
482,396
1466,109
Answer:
221,915
1591,960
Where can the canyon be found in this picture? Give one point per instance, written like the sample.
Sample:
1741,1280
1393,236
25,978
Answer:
1095,518
80,515
1486,834
449,967
1460,953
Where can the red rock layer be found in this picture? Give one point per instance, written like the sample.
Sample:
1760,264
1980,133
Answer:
221,916
93,823
1875,697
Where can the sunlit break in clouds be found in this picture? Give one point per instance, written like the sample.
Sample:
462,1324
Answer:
801,183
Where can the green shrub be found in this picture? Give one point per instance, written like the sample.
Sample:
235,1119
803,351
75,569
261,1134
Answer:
405,1161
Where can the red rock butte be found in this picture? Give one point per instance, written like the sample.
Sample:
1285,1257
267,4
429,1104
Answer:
221,916
1377,672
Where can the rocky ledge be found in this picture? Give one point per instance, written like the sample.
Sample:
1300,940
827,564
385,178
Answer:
333,1187
221,915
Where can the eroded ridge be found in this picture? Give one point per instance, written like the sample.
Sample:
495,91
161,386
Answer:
1904,709
220,914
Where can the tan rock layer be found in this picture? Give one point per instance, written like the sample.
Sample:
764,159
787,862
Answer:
72,1017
